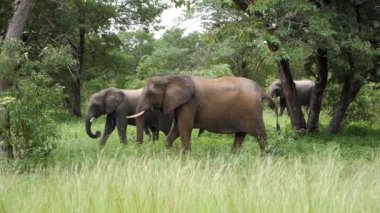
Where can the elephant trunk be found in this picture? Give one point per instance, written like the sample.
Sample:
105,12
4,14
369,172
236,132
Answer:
140,129
89,120
140,121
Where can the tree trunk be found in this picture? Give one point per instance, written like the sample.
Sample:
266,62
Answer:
318,90
351,87
22,11
77,83
77,99
295,113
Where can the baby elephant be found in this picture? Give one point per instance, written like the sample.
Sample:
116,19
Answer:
117,104
303,87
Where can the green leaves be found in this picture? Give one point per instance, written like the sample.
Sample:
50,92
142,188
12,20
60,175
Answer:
33,129
6,100
33,99
214,71
12,53
175,53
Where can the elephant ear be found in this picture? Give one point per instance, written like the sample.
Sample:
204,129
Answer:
113,98
179,90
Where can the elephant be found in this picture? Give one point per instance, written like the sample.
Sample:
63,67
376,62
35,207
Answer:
117,104
304,90
224,105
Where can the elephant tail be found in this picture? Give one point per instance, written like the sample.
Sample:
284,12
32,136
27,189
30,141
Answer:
273,106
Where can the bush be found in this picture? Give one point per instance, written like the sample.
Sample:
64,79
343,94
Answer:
365,107
33,131
33,99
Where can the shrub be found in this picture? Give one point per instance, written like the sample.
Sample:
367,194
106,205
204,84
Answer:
33,131
33,99
365,107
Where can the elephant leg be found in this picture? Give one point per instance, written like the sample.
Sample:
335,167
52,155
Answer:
147,132
173,134
262,142
121,124
155,133
108,128
185,126
258,131
239,138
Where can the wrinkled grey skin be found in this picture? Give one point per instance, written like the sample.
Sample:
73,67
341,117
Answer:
117,104
303,87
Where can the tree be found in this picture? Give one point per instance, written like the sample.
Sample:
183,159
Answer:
273,21
319,42
318,24
21,14
174,53
355,61
137,45
6,12
87,27
318,90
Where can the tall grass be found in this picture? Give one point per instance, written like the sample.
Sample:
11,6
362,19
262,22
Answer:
305,173
165,183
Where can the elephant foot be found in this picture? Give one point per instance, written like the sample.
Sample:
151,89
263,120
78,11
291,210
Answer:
101,146
235,150
185,150
269,151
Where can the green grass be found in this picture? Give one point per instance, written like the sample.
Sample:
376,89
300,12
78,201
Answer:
304,173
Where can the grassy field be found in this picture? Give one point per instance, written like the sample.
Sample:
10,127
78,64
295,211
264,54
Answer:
304,173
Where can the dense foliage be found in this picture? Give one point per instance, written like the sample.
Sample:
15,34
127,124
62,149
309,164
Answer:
34,99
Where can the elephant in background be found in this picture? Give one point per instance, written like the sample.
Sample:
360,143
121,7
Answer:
304,90
117,104
228,105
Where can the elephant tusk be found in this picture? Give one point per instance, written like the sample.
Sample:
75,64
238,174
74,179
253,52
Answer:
136,115
92,119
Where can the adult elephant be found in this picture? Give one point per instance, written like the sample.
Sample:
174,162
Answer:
117,104
303,87
223,105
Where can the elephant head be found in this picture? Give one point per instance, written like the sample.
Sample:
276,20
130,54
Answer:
101,103
275,89
165,94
